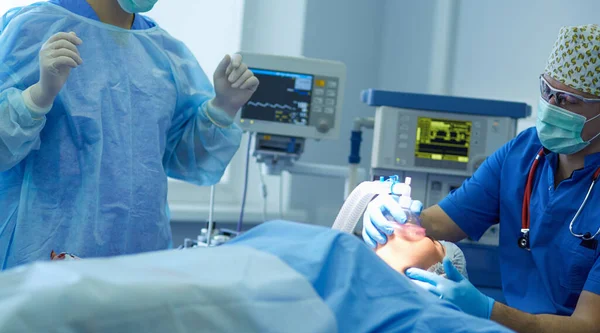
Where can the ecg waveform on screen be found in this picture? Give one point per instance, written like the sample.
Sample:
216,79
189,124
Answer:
272,106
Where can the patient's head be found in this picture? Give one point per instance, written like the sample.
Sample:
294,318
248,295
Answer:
409,247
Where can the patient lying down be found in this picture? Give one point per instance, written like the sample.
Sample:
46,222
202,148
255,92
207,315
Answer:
278,277
409,247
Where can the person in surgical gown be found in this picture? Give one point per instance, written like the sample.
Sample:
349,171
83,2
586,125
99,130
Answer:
98,105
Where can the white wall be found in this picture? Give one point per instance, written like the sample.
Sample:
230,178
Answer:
274,27
209,28
502,46
350,32
406,42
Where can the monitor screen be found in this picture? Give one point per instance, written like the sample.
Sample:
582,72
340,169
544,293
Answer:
442,139
281,97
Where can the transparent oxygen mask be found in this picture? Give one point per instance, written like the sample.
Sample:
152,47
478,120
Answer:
411,229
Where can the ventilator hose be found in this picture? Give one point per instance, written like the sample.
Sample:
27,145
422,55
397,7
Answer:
354,207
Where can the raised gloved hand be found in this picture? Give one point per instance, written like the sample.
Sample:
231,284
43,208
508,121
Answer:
376,220
234,84
57,57
454,288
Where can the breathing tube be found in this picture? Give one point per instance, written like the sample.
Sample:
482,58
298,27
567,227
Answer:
355,205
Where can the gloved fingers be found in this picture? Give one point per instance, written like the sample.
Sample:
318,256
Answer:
236,61
451,272
424,276
392,207
375,217
222,68
416,207
64,61
370,242
69,36
245,76
426,286
56,54
63,44
251,84
371,234
237,73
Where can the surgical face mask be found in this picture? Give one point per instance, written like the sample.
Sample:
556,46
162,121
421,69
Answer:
137,6
559,130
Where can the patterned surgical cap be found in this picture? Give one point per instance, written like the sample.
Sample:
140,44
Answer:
575,58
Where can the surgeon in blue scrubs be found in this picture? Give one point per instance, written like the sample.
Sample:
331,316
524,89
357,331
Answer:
98,105
541,189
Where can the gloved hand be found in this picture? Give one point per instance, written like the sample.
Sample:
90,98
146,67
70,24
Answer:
376,223
57,57
234,84
454,288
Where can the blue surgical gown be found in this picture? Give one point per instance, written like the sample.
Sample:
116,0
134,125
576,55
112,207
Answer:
90,178
362,291
550,277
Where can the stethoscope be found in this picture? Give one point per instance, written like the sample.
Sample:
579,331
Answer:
523,241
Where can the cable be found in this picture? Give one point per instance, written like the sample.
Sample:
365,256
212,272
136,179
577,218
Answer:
211,222
281,197
263,192
240,221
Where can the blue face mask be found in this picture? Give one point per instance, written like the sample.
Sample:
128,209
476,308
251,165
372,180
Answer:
137,6
559,130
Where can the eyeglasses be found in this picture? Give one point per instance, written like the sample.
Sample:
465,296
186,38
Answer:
562,97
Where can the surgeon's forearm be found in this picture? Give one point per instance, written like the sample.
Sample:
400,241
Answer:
524,322
204,147
19,131
440,226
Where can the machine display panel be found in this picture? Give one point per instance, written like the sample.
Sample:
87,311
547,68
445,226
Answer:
443,139
282,97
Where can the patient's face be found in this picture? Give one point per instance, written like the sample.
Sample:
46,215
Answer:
403,251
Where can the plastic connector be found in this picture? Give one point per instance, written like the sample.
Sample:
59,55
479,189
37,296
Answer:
405,194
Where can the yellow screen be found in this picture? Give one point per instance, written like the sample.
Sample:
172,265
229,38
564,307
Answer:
444,140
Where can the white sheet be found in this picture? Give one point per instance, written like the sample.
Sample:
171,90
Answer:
224,289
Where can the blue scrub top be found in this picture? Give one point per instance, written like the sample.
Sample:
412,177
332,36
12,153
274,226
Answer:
82,8
550,277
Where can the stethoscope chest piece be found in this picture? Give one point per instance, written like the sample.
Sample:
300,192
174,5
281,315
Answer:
523,241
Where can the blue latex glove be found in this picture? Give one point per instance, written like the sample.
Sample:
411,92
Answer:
381,214
454,288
